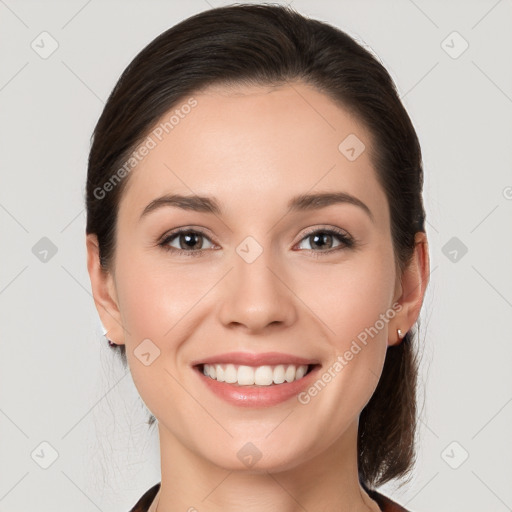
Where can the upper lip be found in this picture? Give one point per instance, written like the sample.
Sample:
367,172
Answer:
252,359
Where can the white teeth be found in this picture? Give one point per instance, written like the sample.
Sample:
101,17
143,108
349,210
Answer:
290,373
230,374
301,371
263,376
245,376
250,375
279,374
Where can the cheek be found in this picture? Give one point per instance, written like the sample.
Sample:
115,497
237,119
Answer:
157,304
155,298
355,309
355,314
352,298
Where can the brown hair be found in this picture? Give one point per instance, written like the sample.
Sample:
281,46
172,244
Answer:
272,45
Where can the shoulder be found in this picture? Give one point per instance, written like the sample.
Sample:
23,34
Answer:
146,499
386,504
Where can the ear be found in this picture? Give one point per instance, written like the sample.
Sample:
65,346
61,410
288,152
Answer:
410,291
104,293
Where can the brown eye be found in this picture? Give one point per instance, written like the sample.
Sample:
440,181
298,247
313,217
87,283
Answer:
189,241
325,239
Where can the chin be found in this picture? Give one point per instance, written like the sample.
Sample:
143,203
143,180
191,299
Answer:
260,458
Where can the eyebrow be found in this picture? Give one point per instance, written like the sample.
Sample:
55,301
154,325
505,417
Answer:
303,202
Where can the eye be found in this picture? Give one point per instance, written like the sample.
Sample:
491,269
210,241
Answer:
324,239
188,241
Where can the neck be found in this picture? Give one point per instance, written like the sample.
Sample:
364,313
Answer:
327,481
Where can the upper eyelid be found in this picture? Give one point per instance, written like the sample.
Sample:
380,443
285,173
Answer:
179,231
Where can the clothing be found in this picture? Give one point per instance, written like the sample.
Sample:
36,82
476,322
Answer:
385,503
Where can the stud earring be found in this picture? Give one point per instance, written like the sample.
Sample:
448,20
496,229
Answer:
110,342
400,334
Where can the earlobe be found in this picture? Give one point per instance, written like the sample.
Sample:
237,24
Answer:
396,336
104,293
414,283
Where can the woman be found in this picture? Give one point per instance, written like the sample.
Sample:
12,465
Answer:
257,255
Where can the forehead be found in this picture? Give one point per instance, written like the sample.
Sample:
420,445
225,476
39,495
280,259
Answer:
255,146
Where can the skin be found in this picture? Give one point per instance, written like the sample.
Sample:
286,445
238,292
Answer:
253,148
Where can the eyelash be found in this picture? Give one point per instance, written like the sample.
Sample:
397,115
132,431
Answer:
347,242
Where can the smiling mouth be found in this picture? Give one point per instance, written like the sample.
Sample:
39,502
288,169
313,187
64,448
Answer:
265,375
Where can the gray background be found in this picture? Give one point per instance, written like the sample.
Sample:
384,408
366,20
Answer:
59,383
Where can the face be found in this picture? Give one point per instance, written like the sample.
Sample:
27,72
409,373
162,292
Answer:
255,286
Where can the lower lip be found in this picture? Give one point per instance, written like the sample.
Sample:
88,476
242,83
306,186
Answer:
258,396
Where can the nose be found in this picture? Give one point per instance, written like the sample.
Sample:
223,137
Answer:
257,295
